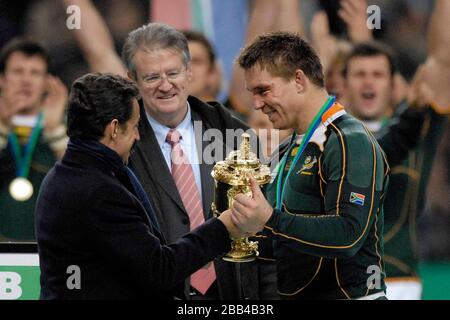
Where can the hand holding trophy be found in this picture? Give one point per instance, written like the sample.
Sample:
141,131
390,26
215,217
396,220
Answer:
232,177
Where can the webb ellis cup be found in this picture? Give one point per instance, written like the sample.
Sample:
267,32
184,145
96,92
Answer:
231,178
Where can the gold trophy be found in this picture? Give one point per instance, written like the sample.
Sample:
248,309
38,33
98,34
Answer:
231,178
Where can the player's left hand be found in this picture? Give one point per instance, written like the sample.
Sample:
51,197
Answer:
251,214
353,13
430,87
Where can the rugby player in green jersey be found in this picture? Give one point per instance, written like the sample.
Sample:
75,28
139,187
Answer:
368,74
324,207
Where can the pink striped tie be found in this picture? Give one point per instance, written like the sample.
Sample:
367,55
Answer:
183,176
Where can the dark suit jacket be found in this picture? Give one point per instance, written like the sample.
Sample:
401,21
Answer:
87,216
149,165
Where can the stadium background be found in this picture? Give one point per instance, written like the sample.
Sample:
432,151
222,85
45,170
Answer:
403,27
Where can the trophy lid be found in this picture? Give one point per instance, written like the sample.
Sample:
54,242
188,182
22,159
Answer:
240,165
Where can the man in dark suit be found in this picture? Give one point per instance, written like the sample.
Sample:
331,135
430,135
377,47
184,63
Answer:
93,217
158,60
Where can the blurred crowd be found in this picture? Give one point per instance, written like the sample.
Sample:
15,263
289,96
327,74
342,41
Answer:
331,26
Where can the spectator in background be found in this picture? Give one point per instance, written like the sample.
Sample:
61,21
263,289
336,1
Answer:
42,17
332,49
206,76
369,80
32,133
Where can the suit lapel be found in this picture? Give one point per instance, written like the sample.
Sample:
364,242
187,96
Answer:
207,180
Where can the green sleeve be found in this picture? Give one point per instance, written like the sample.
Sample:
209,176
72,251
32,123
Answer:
402,133
351,163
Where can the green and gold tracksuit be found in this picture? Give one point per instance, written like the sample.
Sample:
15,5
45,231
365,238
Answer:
328,235
407,188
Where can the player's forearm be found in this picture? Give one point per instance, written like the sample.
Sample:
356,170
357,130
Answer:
92,27
263,18
95,39
289,18
439,33
402,134
328,236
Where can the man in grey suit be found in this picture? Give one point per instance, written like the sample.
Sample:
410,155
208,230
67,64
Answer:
158,60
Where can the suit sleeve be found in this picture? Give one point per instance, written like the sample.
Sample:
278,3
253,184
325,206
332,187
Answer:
123,240
350,166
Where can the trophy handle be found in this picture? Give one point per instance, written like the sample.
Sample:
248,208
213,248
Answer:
214,210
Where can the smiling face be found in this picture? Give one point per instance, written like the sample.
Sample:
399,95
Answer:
274,96
369,86
24,80
163,82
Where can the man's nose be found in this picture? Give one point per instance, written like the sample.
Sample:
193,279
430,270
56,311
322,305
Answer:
25,78
165,84
258,102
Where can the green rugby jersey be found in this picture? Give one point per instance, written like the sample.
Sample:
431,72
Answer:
17,217
327,239
407,189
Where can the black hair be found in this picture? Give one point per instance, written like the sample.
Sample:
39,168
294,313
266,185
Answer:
370,49
27,46
196,36
95,100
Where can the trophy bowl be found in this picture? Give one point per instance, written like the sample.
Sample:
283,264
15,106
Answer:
231,177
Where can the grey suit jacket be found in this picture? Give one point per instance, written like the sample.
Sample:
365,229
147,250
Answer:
256,280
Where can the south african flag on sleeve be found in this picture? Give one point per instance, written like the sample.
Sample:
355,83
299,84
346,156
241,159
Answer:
357,198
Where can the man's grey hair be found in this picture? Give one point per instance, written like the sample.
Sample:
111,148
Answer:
153,36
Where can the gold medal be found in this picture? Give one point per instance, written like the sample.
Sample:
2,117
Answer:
21,189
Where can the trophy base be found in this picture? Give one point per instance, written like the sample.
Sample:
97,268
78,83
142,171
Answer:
242,250
240,259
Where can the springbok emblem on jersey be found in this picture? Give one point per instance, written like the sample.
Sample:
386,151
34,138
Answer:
307,165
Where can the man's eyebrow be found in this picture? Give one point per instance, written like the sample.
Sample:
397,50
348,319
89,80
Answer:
260,88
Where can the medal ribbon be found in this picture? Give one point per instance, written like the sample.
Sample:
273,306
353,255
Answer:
309,133
23,162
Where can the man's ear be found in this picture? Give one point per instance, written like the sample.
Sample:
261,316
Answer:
112,129
130,75
300,80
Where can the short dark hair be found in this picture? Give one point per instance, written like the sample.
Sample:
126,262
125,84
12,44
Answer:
27,46
95,100
370,49
196,36
281,53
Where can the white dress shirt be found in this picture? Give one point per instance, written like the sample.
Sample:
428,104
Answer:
187,141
